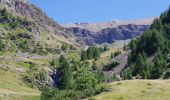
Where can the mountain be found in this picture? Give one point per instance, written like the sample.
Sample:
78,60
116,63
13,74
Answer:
98,33
96,27
41,23
29,40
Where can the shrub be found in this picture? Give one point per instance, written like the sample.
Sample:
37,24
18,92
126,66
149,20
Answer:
85,79
110,66
117,53
2,46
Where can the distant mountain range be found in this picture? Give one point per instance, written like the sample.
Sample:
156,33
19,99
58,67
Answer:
96,27
98,33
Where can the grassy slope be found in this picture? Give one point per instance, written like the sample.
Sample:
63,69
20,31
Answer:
137,90
105,57
12,88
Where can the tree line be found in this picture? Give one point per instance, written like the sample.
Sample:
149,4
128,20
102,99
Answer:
150,52
93,52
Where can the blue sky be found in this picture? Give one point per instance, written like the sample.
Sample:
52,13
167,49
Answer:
71,11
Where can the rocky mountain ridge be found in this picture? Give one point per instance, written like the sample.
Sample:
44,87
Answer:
96,27
99,33
108,35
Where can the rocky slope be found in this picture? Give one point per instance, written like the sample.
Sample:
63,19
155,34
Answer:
43,24
107,35
29,38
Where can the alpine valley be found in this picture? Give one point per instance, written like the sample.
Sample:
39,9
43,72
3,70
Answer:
117,60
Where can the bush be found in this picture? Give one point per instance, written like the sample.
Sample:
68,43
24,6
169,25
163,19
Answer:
117,53
39,50
100,76
110,66
64,47
85,79
35,77
127,74
2,46
167,75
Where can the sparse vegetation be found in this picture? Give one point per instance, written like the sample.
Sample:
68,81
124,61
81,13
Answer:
35,77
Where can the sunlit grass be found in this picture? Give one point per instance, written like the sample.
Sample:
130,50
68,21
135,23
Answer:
137,90
12,88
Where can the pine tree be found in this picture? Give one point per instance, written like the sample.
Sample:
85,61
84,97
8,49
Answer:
167,30
127,74
105,48
157,69
146,71
141,66
90,53
159,66
112,55
83,56
96,53
66,73
157,24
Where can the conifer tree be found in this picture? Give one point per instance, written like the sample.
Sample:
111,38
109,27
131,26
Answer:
96,53
159,65
112,55
90,53
105,48
66,73
83,56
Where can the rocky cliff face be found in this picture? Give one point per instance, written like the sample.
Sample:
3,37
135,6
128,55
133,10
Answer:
108,35
92,33
123,32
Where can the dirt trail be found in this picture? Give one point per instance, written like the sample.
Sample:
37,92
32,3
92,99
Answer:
18,93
